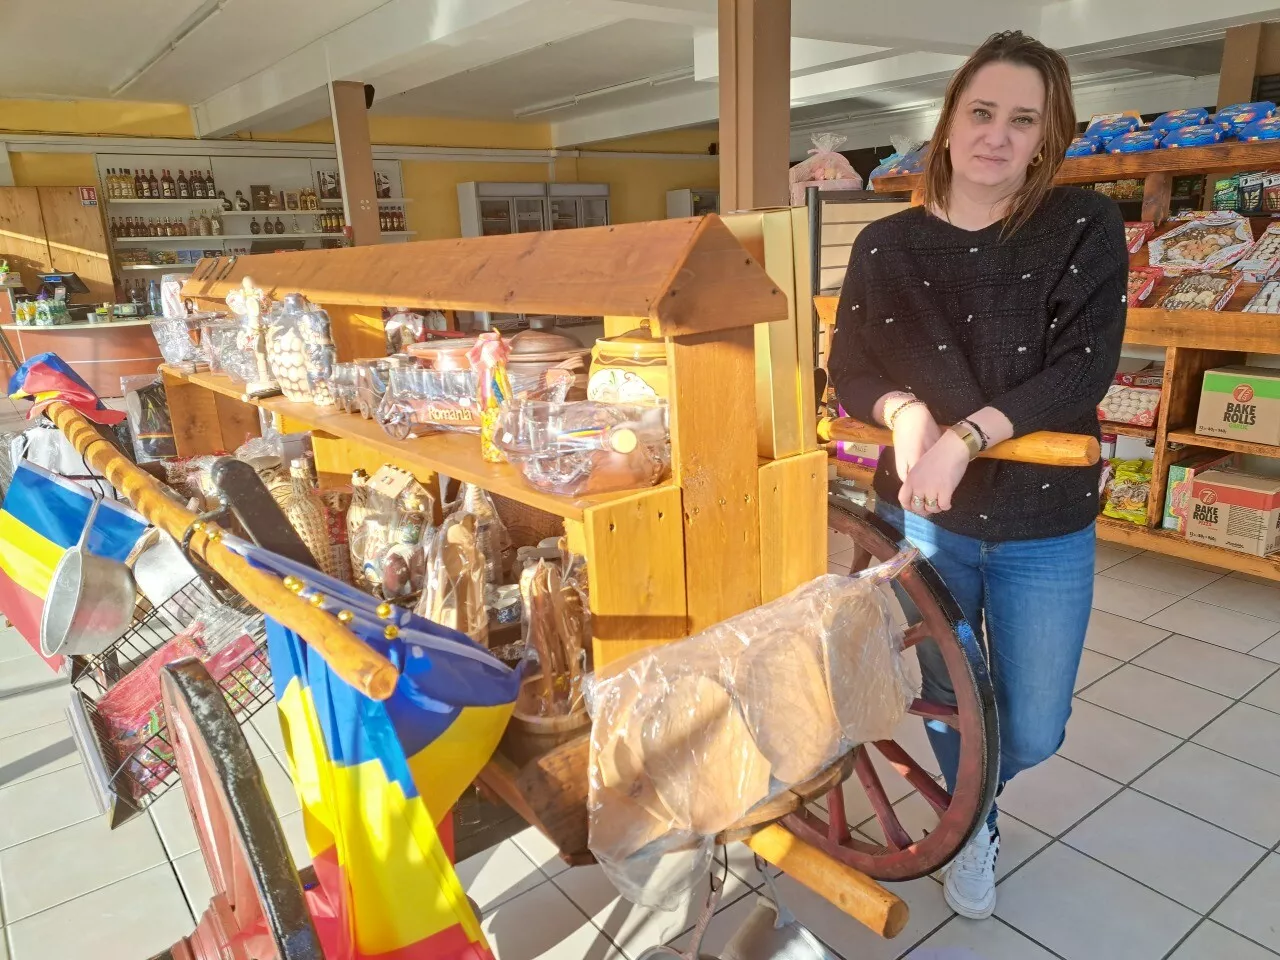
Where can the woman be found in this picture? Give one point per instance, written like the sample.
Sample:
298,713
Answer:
993,310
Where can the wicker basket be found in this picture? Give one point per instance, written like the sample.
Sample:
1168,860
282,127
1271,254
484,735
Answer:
526,526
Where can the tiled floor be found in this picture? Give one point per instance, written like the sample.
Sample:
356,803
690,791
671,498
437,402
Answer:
1153,834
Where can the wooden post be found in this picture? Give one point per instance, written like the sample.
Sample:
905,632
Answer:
1239,69
355,160
755,103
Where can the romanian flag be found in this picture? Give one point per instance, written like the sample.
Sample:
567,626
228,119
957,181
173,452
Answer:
42,517
47,377
377,778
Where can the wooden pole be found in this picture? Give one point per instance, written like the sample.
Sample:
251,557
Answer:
755,103
1051,449
1240,54
355,160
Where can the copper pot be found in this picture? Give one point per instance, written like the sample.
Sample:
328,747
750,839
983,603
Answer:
534,352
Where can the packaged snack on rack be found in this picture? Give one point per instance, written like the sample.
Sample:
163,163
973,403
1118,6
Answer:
1199,291
584,447
1251,193
1126,495
453,590
1084,147
1226,193
1266,300
1132,405
1135,234
300,350
1234,118
1107,128
1139,141
1271,193
1262,259
1206,243
1177,119
1142,280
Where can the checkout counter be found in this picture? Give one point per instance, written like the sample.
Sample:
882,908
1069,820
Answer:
100,347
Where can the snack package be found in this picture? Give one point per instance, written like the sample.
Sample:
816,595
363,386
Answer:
1251,193
1193,136
1107,128
1266,300
1176,119
1231,120
1204,244
1133,405
1226,193
453,590
1084,147
824,168
1199,291
1139,141
1261,260
1142,280
1182,473
688,737
1126,496
1135,234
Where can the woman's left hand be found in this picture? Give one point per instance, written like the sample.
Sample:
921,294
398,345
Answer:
935,476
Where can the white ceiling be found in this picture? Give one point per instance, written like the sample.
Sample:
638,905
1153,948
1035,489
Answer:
594,69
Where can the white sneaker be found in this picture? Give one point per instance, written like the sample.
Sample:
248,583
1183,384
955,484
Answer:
970,887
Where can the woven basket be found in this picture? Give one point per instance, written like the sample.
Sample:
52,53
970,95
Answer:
526,526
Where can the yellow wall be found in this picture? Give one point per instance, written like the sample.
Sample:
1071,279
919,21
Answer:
688,140
434,188
96,118
429,132
53,169
638,188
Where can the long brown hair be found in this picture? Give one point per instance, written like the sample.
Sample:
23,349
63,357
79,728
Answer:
1011,46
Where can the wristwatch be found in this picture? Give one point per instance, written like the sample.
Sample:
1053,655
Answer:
971,437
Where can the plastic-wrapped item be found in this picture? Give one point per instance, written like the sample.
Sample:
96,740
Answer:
584,447
824,168
1142,280
1230,120
491,532
1109,127
1199,291
1135,405
1206,243
420,401
387,518
1135,234
1266,300
147,409
555,628
300,350
1126,495
1177,119
1268,129
688,738
402,328
1193,136
179,340
1084,147
171,304
371,377
453,592
1139,141
342,385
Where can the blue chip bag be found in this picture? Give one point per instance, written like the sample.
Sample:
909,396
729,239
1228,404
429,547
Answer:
1176,119
1200,136
1268,129
1107,129
1239,115
1137,142
1084,146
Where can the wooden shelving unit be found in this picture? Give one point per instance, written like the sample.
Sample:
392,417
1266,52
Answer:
1128,430
1194,340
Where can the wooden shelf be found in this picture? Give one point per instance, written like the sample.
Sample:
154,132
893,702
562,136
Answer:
1188,435
863,476
1128,430
382,202
218,238
455,455
143,202
158,266
1175,544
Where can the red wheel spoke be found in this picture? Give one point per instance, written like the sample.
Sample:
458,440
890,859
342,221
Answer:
935,711
916,775
914,634
837,819
895,836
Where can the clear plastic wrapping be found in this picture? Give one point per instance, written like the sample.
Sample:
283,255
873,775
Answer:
300,350
453,592
418,401
688,738
583,447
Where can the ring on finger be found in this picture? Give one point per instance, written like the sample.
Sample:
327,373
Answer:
917,502
932,503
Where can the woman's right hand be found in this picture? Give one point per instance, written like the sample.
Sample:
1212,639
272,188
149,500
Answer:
914,432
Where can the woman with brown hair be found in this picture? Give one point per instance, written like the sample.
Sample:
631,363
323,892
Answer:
996,308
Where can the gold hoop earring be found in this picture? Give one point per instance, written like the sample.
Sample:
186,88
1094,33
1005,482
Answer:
1037,159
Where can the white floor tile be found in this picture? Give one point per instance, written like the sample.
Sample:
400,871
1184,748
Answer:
1267,650
1093,667
1209,941
193,876
727,921
983,939
47,749
1082,910
173,822
1243,597
1267,695
1156,700
1127,599
542,924
1253,909
1151,571
838,543
14,647
1226,792
1182,857
267,722
134,918
1120,637
1227,628
911,737
842,559
851,939
634,928
1112,745
1109,554
1055,795
295,835
31,696
1247,733
36,807
544,853
284,798
496,875
1206,665
73,861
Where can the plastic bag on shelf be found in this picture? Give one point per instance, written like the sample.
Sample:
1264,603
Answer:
824,168
420,401
491,532
147,407
688,738
387,519
556,632
453,591
300,350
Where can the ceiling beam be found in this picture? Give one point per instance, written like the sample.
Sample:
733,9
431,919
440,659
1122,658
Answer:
1193,60
1109,28
937,26
807,56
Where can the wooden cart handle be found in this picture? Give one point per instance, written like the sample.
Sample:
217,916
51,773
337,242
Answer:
351,658
1050,449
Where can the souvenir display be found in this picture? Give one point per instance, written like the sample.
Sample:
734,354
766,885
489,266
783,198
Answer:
1142,280
1199,291
386,520
1135,234
300,350
1208,243
419,401
248,303
1266,300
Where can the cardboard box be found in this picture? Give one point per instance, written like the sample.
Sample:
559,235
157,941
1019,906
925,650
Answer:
1235,510
1242,403
1177,492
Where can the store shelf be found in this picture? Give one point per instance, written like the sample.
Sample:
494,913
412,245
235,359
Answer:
227,236
158,266
399,233
1175,544
1188,435
456,455
1128,430
162,203
382,202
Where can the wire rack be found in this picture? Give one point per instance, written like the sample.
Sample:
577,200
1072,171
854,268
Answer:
131,770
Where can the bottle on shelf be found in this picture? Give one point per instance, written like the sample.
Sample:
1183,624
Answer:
179,227
167,188
138,190
154,188
182,187
241,203
109,182
279,224
215,224
267,225
254,227
210,188
197,185
193,225
294,226
226,204
206,226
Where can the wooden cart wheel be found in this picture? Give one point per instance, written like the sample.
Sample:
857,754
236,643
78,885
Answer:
255,884
902,856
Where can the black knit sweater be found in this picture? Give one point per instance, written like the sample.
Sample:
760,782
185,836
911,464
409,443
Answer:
1030,324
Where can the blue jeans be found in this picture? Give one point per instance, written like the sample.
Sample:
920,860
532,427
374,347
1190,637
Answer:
1032,598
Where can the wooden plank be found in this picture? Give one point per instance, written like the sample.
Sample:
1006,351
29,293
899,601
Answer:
838,215
194,413
1241,52
1212,330
793,522
355,160
684,275
1189,435
1175,544
636,555
237,421
22,238
826,307
1128,430
78,240
358,332
714,463
1157,190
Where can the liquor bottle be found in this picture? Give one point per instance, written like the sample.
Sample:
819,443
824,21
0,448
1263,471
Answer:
197,185
210,188
279,224
267,225
110,182
226,204
183,187
254,228
139,190
126,227
241,203
215,224
154,189
294,227
206,225
193,225
382,220
167,188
